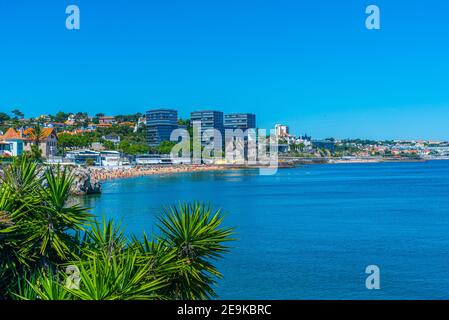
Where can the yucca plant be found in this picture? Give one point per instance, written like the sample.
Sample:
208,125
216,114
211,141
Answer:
118,277
42,285
56,218
9,258
22,178
43,237
18,186
106,237
194,231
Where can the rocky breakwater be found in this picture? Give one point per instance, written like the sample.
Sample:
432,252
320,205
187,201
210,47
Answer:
84,182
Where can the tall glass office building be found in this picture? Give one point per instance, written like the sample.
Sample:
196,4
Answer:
208,119
160,124
242,121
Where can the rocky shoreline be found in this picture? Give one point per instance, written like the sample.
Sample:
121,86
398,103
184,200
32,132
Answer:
88,180
99,174
84,183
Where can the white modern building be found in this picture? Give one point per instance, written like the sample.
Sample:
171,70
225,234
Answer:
11,148
110,159
281,130
107,158
154,159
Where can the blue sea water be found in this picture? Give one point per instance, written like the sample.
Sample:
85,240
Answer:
310,232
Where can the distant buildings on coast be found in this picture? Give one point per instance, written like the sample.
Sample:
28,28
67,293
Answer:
161,122
15,143
207,120
243,121
281,130
64,136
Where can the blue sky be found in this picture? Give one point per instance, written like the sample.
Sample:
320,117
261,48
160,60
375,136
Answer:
309,64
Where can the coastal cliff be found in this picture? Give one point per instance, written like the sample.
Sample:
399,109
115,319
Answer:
84,183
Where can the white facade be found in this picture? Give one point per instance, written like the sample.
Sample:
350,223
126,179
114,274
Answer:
12,147
153,159
110,158
281,130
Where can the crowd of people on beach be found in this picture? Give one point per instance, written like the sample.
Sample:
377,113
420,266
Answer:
105,173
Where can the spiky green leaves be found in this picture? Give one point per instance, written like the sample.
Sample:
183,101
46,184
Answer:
42,236
195,233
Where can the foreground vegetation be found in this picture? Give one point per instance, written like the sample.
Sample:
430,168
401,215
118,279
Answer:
51,249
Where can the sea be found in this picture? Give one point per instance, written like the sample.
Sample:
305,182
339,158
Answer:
311,232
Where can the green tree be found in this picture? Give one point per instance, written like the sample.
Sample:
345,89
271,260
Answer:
81,119
165,147
109,145
128,117
17,113
61,116
96,118
132,148
69,141
35,153
184,122
37,134
4,117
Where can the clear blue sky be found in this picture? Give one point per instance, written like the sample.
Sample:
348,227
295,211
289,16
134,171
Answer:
309,64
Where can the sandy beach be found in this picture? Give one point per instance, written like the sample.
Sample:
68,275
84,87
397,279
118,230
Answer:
104,173
109,173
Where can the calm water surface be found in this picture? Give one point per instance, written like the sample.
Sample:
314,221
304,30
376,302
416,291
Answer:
309,232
